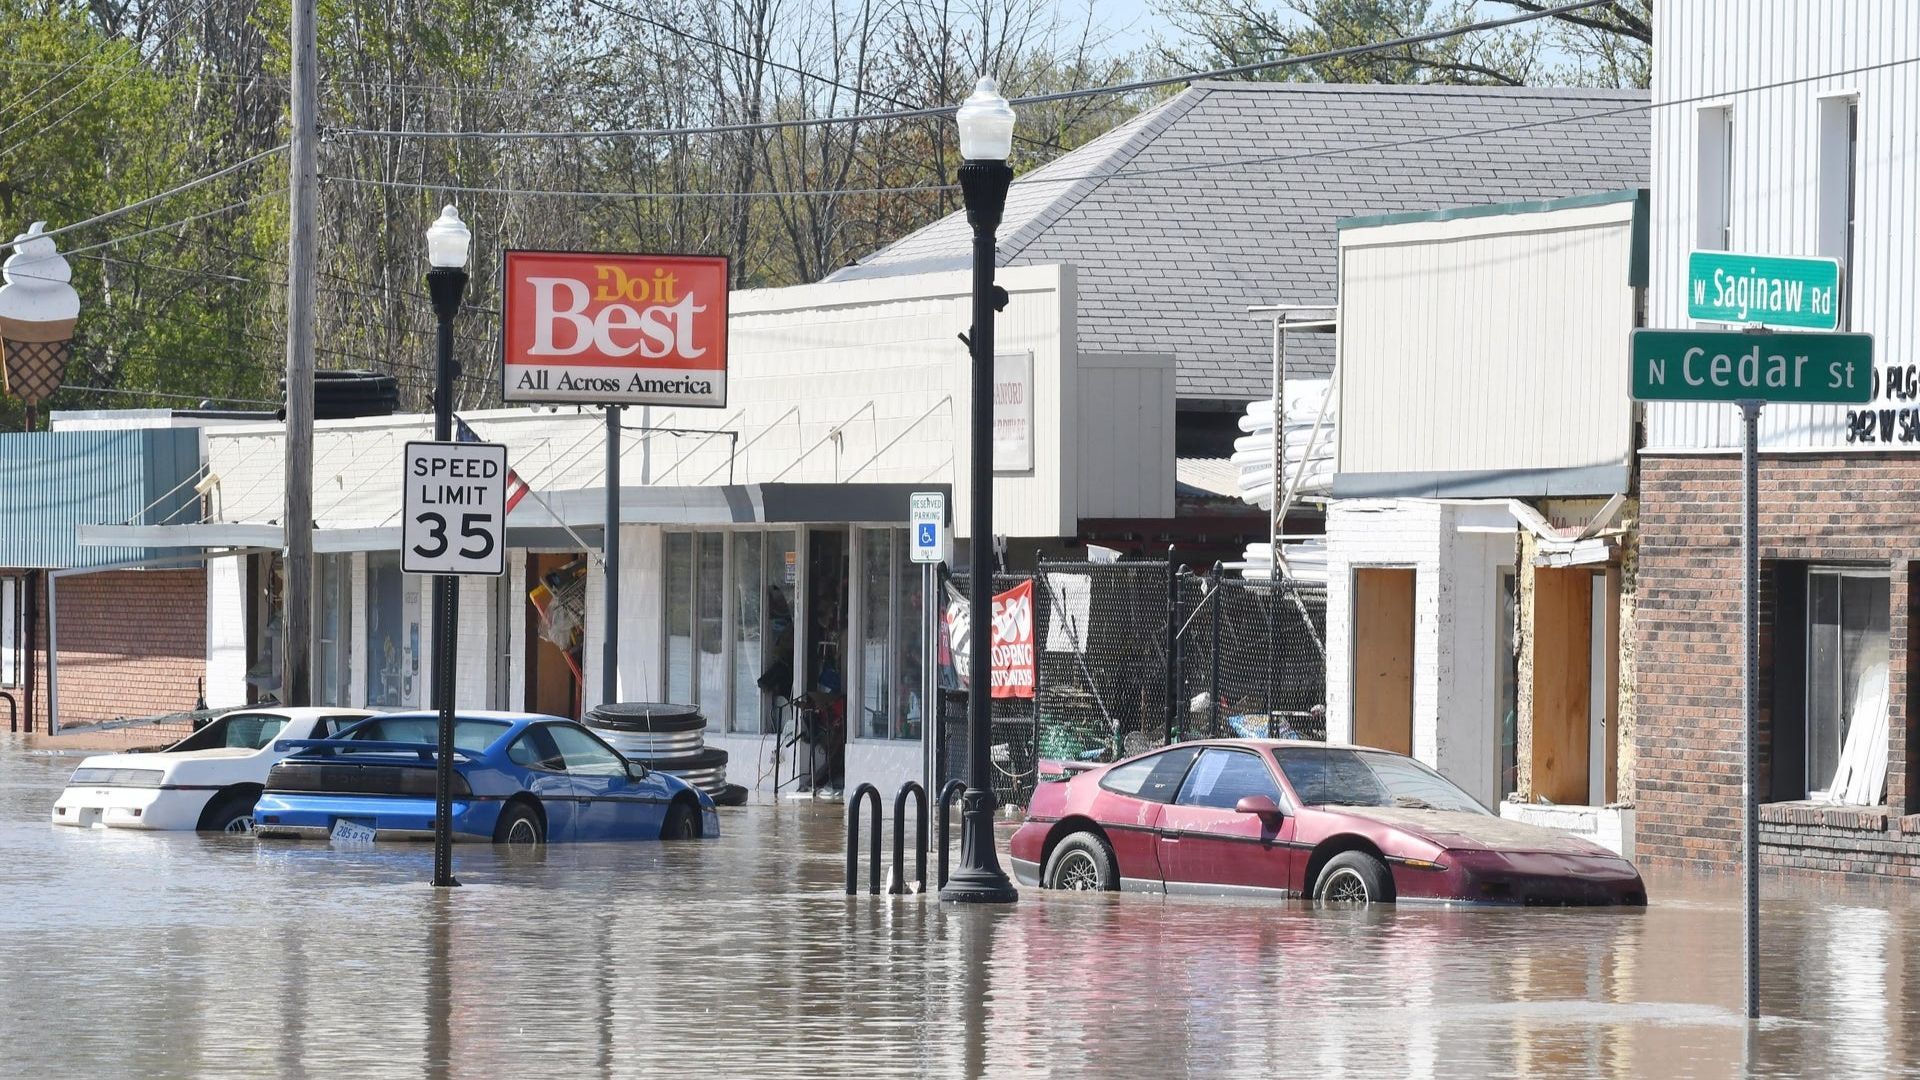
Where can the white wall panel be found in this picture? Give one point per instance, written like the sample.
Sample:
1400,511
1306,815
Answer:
1714,52
1486,343
226,632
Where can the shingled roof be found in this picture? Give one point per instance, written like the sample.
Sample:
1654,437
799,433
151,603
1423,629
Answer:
1227,195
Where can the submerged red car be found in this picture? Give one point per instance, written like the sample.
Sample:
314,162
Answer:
1340,824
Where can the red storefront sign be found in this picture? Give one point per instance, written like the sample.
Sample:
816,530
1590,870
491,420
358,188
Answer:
1013,659
593,328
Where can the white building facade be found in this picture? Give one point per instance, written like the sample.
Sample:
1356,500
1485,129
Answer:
1474,540
763,554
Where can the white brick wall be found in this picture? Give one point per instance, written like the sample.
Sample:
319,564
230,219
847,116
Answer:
1456,575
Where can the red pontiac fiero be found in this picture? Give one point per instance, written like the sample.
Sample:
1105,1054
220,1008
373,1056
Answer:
1340,824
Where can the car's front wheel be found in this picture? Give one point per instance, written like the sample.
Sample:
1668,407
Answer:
1083,862
683,822
519,828
231,813
1354,878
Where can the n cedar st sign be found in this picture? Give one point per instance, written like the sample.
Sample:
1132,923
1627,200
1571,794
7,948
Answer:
1721,365
591,328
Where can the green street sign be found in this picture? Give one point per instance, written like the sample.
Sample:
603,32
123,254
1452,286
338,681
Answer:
1801,293
1735,365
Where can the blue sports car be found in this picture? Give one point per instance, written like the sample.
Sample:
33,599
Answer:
519,779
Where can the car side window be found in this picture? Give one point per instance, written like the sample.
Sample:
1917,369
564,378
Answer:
1221,778
1154,778
584,754
535,749
330,726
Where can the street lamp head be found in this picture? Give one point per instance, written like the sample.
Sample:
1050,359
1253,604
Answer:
986,124
447,240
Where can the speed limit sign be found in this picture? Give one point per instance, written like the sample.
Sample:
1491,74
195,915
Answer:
456,508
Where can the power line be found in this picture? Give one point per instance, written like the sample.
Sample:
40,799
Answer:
248,201
1163,170
171,396
1035,99
136,64
152,199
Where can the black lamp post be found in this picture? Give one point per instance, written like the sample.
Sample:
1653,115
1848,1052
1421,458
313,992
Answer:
986,139
447,242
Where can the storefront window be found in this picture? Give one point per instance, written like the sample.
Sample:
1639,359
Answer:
710,612
909,638
679,597
748,576
876,607
10,631
330,678
1847,653
393,646
782,574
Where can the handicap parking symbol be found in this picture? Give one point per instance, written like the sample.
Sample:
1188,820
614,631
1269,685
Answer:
926,535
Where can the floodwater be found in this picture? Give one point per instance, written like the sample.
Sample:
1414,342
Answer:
180,955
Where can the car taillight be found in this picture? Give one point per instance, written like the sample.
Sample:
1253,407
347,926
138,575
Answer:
337,778
117,778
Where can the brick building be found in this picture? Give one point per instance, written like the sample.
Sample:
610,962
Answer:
1790,135
132,641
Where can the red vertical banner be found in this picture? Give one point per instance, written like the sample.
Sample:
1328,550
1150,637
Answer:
1013,656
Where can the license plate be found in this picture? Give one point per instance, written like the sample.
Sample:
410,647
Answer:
350,832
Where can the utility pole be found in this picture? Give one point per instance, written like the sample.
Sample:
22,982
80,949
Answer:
296,686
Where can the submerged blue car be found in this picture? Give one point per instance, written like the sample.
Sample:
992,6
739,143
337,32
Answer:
519,779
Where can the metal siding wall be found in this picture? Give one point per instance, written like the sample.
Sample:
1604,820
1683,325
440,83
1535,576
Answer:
55,481
1125,437
1487,344
1712,47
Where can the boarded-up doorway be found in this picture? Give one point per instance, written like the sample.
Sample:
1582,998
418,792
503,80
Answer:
1563,662
1383,658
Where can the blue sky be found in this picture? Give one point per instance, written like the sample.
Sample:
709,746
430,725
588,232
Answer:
1134,22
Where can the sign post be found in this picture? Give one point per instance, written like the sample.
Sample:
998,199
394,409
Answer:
927,513
454,513
1750,368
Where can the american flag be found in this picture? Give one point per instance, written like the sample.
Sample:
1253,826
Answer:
516,488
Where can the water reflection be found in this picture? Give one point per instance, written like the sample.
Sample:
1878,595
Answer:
214,956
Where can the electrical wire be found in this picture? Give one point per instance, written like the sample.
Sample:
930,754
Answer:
168,395
248,201
1034,99
136,64
1164,170
152,199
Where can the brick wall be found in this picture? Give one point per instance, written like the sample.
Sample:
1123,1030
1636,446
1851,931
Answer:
1687,785
132,643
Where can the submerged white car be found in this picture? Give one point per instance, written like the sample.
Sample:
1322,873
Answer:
207,781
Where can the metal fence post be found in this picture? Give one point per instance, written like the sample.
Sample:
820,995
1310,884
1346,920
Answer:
1213,691
1173,640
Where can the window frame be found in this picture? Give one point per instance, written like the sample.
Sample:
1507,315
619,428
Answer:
1713,179
1188,748
1809,786
1267,767
13,591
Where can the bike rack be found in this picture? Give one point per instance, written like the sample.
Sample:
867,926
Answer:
911,787
13,712
853,840
951,791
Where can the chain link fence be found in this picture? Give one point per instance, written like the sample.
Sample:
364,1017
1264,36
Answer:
1133,655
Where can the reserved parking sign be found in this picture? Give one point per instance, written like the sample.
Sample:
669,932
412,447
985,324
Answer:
455,509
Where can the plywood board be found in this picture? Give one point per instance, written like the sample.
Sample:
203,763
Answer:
1383,658
1562,634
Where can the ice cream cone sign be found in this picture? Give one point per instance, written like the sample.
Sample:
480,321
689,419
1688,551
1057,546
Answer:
38,306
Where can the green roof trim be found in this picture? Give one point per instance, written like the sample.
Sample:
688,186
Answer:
1541,206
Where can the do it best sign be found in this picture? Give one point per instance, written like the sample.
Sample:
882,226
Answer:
585,328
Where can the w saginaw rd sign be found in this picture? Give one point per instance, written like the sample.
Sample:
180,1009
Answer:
1773,290
1752,365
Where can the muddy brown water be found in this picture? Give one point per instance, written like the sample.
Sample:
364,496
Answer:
125,954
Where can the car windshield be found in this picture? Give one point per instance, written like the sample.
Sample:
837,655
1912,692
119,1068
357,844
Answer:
1328,776
234,731
468,733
